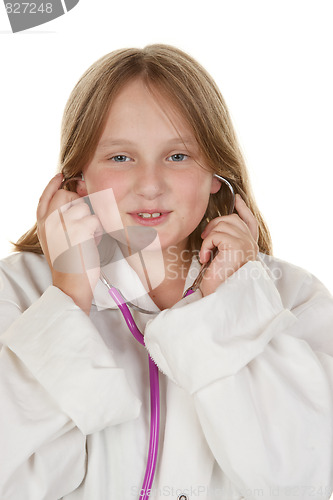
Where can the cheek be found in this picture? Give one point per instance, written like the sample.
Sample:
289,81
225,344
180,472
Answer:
100,180
196,198
97,181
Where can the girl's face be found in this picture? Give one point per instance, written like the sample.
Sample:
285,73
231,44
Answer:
155,178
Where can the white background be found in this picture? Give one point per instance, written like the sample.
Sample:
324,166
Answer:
272,61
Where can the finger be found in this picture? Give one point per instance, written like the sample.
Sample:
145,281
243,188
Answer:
48,194
233,227
247,216
72,199
73,211
85,229
62,201
232,220
221,241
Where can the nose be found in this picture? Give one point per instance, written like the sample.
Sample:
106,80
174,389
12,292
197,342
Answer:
149,181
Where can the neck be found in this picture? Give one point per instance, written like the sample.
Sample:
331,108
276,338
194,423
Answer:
163,273
170,290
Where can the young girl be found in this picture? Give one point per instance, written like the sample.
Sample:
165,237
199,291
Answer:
246,368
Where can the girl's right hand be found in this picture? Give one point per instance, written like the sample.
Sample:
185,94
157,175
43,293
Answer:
65,224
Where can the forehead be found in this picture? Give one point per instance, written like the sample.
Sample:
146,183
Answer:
137,109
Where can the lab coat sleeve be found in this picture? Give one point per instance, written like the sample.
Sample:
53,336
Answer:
58,383
262,392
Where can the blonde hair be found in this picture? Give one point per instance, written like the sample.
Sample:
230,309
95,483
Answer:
190,89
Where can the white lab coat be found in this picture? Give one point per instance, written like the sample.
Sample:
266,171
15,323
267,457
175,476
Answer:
246,389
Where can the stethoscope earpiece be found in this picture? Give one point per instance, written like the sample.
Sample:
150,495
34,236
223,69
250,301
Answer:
231,189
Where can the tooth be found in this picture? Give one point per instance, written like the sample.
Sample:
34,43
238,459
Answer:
147,215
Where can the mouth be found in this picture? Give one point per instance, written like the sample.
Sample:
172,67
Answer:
150,217
147,215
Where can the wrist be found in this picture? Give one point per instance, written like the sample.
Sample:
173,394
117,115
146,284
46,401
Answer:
76,286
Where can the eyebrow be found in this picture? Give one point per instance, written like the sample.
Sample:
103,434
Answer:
120,142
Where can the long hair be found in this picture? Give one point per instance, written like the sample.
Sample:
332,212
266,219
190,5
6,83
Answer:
190,89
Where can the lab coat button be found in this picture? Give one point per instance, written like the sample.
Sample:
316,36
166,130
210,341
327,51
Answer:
183,497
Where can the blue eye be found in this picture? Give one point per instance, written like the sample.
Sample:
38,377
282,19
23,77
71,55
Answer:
120,158
178,157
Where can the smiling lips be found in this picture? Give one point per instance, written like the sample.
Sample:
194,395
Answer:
147,215
150,217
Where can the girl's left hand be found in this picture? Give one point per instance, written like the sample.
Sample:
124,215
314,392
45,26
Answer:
235,237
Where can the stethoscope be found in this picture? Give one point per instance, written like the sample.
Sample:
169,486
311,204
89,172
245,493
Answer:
123,306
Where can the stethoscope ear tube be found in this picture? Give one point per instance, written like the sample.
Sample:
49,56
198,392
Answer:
232,204
202,271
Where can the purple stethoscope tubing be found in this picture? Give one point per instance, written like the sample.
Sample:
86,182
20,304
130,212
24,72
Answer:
154,397
154,392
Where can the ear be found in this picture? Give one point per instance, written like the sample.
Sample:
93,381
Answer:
216,185
81,188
